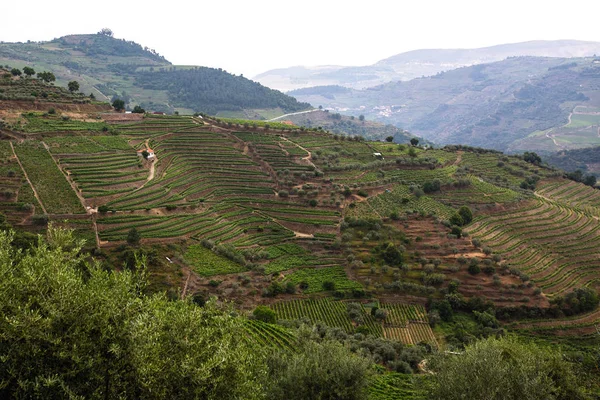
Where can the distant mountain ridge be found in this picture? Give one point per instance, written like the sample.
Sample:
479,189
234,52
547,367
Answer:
519,104
418,63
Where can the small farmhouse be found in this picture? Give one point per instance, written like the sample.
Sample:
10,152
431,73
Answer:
150,152
378,156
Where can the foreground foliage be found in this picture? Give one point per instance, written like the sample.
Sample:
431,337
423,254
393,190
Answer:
504,369
72,330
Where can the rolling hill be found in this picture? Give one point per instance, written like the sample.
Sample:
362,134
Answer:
110,67
418,63
515,105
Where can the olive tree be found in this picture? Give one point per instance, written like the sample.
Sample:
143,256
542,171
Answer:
498,369
323,371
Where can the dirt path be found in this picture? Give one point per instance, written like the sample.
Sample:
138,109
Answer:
308,158
554,140
35,193
95,226
152,169
185,287
459,158
549,136
303,235
73,186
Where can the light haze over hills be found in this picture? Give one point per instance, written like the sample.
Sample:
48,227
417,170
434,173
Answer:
413,64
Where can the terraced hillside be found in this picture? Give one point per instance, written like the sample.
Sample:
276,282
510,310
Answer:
553,240
254,212
407,324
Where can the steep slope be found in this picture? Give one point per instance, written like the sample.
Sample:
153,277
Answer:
418,63
109,68
522,103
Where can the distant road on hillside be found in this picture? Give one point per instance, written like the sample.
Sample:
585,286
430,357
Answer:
295,113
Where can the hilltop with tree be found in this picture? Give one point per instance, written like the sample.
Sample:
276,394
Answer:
111,68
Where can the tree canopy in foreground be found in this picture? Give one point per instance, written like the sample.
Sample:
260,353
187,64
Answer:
504,369
71,329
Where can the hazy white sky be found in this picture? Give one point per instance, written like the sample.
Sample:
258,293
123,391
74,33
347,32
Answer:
250,37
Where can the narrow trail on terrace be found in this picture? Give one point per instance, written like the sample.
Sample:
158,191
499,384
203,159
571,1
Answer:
303,235
543,197
185,287
28,181
308,158
95,226
458,158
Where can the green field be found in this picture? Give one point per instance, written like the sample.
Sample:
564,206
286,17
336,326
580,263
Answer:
206,263
582,120
51,185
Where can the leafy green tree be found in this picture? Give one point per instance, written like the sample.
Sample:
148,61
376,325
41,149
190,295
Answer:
474,269
466,214
118,105
391,254
389,139
138,110
414,141
71,329
503,369
265,314
589,180
456,219
73,86
133,237
319,371
28,71
106,32
16,72
432,186
532,157
46,76
361,117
